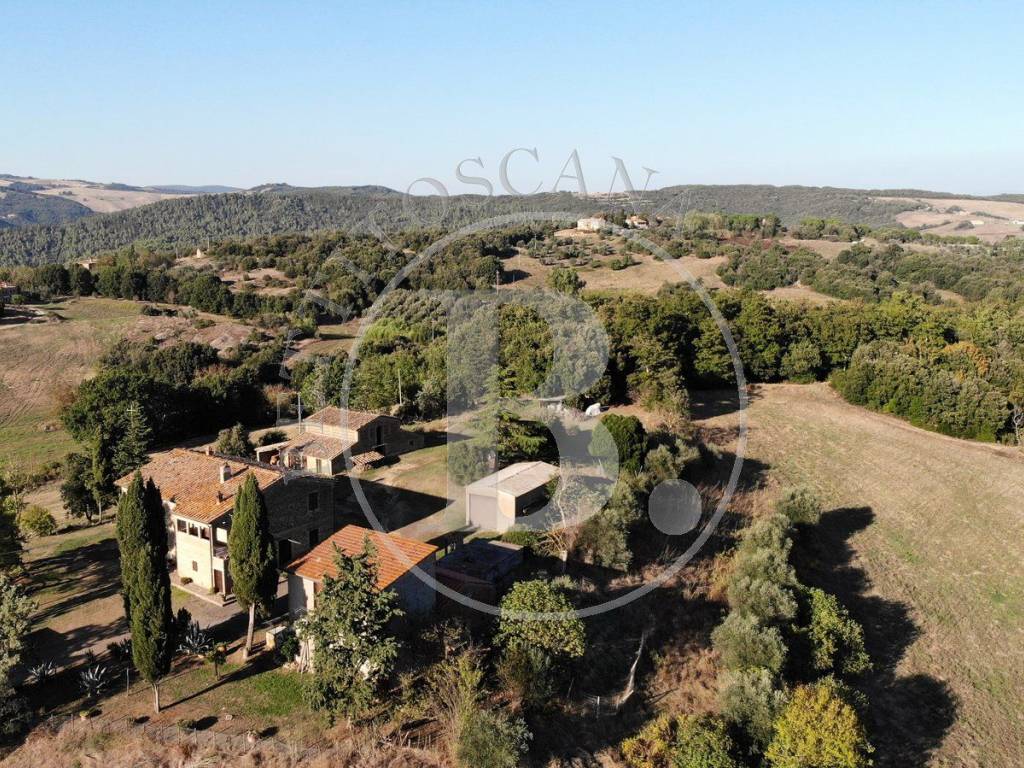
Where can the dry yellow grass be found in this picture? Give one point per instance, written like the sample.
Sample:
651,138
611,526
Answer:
925,542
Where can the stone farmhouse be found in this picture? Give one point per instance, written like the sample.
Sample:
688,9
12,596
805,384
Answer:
395,555
198,490
324,438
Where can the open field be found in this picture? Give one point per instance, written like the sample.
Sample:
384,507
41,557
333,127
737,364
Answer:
100,198
924,542
989,220
40,362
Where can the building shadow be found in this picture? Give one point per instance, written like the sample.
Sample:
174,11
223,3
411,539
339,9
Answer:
908,716
394,507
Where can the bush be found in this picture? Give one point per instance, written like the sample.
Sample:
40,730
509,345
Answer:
527,675
527,538
800,504
287,647
625,438
744,643
491,739
703,742
802,363
690,741
651,747
750,699
235,442
766,600
559,638
468,461
15,713
819,729
36,521
836,641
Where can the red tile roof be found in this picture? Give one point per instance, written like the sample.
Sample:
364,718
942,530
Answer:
395,554
340,417
191,480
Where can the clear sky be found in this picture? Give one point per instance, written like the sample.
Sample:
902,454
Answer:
863,94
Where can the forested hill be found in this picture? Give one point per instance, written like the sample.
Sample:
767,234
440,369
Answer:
188,222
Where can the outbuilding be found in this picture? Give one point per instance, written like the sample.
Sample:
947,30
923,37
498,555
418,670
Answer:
493,503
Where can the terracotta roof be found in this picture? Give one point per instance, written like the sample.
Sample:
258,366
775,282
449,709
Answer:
319,446
369,457
340,417
191,480
395,554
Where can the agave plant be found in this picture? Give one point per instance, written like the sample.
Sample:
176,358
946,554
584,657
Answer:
195,641
93,680
42,671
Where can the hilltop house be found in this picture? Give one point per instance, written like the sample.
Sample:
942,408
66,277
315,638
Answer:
591,224
325,436
494,502
198,490
395,557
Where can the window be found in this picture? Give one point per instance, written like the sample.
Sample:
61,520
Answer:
314,501
204,533
319,467
193,530
195,566
314,537
181,526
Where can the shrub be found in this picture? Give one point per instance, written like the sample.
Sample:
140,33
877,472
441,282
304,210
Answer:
15,713
623,437
835,639
527,675
287,647
766,600
527,538
744,643
819,729
802,363
272,437
765,564
651,747
468,461
36,521
703,742
751,699
800,504
491,739
557,637
235,442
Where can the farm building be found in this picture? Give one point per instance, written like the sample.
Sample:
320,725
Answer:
396,556
481,568
7,292
637,222
494,502
198,491
591,224
326,436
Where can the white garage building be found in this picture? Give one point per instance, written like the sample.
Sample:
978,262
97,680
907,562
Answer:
494,502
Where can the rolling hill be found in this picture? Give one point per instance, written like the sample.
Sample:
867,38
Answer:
278,208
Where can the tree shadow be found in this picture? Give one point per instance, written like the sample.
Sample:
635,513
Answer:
708,403
908,716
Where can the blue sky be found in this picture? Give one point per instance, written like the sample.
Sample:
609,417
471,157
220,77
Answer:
927,95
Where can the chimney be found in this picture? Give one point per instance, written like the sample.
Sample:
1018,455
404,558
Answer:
225,472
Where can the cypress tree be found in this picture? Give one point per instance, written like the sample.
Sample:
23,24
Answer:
251,555
142,540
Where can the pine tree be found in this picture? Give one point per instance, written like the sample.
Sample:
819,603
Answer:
142,541
251,555
130,452
348,636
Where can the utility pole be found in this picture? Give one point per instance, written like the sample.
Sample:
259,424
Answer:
400,403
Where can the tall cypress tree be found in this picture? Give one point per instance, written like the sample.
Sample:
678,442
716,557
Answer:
130,452
251,555
142,540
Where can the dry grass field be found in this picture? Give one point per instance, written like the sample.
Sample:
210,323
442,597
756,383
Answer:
925,542
989,220
96,197
41,362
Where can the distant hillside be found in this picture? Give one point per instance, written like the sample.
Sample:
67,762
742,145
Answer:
279,208
25,200
21,207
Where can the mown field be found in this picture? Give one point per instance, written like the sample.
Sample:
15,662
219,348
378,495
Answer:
924,540
40,361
